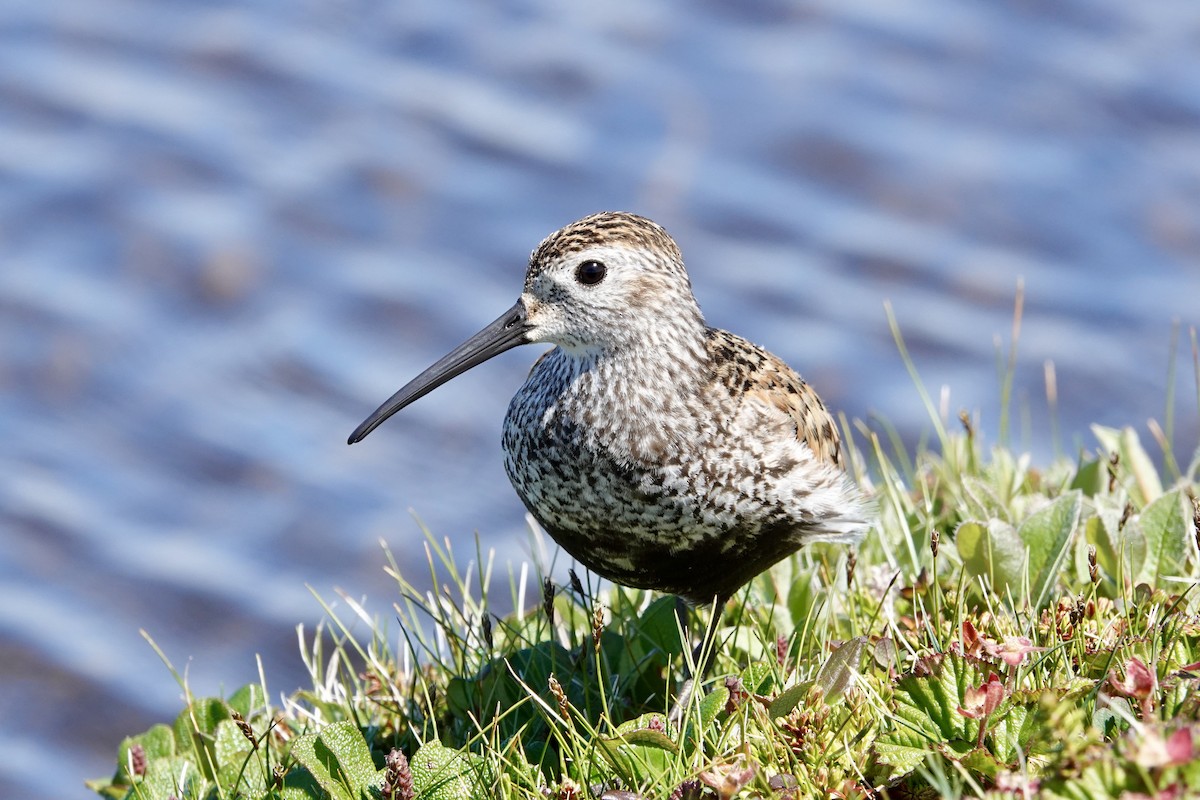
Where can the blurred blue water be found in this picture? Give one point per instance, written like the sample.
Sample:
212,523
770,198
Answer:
229,230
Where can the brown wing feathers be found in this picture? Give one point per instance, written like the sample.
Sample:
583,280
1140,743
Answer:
748,369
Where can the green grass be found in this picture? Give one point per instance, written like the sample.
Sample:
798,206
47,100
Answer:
1006,631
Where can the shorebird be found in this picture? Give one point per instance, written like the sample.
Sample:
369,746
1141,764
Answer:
659,452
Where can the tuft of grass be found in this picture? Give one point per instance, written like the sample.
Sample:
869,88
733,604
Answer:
1006,631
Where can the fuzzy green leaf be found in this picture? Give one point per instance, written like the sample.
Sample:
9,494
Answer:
202,717
497,689
758,677
230,743
994,550
196,731
1095,533
648,738
440,773
712,705
238,763
1169,531
638,751
925,713
338,759
839,670
978,761
1146,486
1101,778
1120,550
1133,548
247,700
171,777
299,784
903,750
1113,716
1046,535
1007,730
788,699
156,743
107,788
939,694
1090,478
884,652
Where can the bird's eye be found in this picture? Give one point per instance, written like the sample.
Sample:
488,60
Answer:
590,272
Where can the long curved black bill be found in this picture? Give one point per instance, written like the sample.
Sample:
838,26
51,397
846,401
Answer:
510,330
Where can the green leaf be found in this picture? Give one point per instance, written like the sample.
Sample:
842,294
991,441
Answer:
992,550
839,670
171,777
202,717
638,751
496,689
1146,486
884,652
1169,531
1046,535
1133,549
1039,547
338,758
1102,778
1090,477
230,742
440,773
248,700
978,761
803,599
788,699
758,677
239,765
1112,718
156,743
107,788
937,696
903,756
196,732
712,705
1007,732
1096,534
640,732
925,715
299,784
651,738
659,627
1120,550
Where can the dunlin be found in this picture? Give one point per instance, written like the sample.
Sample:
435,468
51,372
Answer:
657,451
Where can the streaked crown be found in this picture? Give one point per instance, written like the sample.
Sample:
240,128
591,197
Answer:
611,281
606,229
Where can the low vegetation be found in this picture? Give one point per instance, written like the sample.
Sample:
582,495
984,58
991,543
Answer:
1007,631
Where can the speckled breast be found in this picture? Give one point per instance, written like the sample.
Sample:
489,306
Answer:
629,521
608,515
